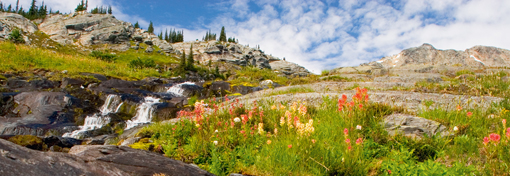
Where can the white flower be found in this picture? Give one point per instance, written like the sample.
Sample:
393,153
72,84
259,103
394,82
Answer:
358,127
215,142
237,119
343,160
455,128
215,131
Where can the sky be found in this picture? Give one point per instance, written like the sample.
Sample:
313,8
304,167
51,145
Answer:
322,34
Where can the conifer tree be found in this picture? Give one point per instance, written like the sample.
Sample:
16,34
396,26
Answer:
137,25
223,36
190,61
110,10
151,28
32,12
183,60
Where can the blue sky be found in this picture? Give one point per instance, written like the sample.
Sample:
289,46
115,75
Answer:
324,34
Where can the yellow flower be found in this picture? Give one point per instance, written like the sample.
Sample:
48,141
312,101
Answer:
268,142
261,128
273,107
282,121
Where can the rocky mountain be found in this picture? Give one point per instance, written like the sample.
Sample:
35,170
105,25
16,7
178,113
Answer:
427,59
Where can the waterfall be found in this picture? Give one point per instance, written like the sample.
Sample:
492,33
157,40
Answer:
178,90
143,112
111,105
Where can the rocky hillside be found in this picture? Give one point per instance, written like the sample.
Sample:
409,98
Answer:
90,31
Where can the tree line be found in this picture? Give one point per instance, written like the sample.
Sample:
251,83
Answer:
40,12
223,36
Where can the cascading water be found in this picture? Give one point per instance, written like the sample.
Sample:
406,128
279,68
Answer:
143,112
111,105
178,89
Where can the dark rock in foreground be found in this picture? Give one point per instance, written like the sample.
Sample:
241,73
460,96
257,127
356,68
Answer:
89,160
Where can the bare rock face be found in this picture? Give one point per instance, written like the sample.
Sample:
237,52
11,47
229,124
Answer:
10,21
39,112
414,127
89,160
289,68
87,29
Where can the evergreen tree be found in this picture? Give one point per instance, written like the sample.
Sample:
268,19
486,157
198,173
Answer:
183,60
223,36
166,35
160,36
32,12
151,28
137,25
190,61
80,7
17,5
9,8
110,10
1,7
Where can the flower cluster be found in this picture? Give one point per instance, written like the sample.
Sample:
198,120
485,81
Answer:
493,137
292,119
358,99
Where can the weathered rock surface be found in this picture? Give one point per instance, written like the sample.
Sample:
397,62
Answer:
89,160
39,112
10,21
414,127
289,68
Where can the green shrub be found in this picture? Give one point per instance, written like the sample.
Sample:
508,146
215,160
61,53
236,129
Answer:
16,36
108,57
29,141
145,63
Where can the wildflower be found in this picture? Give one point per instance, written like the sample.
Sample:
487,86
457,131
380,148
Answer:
261,128
455,128
340,108
290,146
485,140
469,114
495,137
344,97
250,114
215,131
349,148
504,122
459,108
358,127
359,141
343,160
389,171
302,110
273,107
346,132
242,131
244,119
293,106
276,131
268,142
237,120
360,106
215,142
282,107
313,141
348,141
508,132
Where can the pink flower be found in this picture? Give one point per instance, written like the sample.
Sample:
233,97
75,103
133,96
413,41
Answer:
503,121
359,141
313,141
344,97
242,131
290,146
508,132
346,132
469,114
349,148
347,141
485,140
360,106
495,137
389,171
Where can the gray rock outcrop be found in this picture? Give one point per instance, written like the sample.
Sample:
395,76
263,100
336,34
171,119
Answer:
10,21
89,160
414,127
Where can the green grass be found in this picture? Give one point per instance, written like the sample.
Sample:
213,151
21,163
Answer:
298,89
21,58
488,85
278,149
